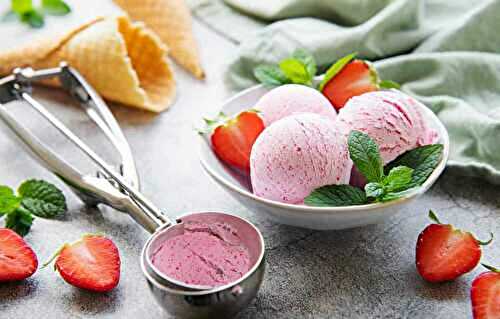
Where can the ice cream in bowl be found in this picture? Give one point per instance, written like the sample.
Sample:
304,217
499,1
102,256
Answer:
319,157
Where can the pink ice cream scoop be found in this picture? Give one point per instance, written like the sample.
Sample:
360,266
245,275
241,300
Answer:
205,254
289,99
393,119
297,154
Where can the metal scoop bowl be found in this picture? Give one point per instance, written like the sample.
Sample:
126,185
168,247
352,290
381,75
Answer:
118,188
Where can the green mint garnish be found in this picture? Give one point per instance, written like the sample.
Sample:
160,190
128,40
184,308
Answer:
296,71
8,201
35,197
365,154
20,221
55,7
306,59
400,179
42,198
423,160
335,69
299,68
270,75
336,195
29,14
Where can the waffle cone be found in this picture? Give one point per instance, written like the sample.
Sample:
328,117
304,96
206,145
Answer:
125,62
171,20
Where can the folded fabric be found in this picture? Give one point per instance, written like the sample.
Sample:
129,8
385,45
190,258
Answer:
446,53
124,61
171,21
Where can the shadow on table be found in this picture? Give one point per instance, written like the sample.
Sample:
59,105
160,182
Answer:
92,303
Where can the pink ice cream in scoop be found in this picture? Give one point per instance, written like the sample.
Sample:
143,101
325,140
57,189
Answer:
290,99
205,254
393,119
297,154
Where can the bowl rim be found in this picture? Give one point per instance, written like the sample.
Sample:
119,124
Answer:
443,133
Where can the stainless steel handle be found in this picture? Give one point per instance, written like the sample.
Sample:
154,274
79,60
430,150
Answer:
116,189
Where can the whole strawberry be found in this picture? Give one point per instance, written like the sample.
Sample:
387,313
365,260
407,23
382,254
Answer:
17,259
92,263
485,294
444,253
233,138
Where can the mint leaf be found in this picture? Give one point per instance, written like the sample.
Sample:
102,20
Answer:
336,68
374,190
42,198
33,18
55,7
423,160
8,201
296,71
336,195
20,221
21,7
308,60
270,75
395,195
365,154
388,84
398,179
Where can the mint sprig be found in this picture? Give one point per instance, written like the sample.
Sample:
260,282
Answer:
336,195
398,179
423,160
35,197
34,16
365,154
299,68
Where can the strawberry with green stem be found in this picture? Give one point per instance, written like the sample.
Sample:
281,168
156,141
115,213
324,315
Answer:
232,138
444,253
91,263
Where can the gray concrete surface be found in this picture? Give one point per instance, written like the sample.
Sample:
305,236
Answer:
366,272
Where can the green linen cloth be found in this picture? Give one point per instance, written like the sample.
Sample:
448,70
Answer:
446,53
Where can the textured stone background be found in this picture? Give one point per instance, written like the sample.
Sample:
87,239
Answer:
366,272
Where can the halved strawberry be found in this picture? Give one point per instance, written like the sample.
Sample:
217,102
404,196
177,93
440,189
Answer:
350,77
17,259
92,263
485,294
444,253
233,138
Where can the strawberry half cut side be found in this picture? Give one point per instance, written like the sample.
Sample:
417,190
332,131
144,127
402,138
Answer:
17,260
92,263
444,253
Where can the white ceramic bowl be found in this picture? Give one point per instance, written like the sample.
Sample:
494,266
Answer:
305,216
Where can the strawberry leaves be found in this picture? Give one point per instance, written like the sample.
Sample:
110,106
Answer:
35,197
336,68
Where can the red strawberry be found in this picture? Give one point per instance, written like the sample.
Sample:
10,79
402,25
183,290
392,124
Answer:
232,140
17,259
92,263
485,294
445,253
347,78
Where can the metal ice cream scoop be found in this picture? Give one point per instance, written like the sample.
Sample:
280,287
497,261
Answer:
118,188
